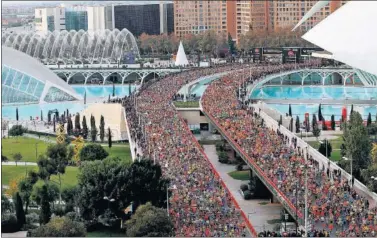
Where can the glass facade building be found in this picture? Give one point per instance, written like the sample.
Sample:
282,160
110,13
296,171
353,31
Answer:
50,23
76,20
143,18
21,88
25,80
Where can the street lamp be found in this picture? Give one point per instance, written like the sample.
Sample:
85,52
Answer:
345,158
324,143
306,167
167,196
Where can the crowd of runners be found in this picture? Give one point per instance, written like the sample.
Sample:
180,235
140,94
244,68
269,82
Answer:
200,205
334,207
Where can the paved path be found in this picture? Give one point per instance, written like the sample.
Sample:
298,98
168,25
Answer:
15,234
258,214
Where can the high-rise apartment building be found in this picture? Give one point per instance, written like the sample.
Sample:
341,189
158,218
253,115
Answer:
241,16
193,17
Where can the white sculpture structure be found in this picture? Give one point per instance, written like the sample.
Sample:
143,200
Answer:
181,59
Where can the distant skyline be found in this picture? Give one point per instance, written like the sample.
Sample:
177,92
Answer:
31,3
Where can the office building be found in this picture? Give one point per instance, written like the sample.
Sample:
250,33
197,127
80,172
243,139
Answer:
101,18
49,19
76,19
152,19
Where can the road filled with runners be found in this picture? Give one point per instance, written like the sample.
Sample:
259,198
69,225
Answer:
200,204
335,208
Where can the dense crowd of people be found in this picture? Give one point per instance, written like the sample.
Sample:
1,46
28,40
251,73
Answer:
334,206
200,204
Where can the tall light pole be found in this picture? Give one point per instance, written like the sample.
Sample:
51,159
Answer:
167,196
306,192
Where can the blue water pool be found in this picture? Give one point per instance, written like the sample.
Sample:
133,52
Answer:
92,92
327,110
103,91
314,92
34,110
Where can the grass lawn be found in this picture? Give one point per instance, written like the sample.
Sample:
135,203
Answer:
24,145
11,171
191,104
240,175
122,152
105,234
335,144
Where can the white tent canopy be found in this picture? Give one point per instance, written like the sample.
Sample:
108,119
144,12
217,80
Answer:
350,34
181,59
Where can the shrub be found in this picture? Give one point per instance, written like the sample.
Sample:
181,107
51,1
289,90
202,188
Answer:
243,187
239,167
32,218
60,227
9,223
58,211
93,152
74,216
17,130
4,158
219,146
247,195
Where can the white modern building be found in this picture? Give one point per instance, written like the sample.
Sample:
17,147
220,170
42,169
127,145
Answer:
349,34
100,18
49,19
25,80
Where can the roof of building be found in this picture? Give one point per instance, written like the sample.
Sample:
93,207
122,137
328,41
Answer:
350,34
26,66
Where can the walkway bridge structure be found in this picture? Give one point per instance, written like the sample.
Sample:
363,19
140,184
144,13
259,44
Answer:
319,76
105,73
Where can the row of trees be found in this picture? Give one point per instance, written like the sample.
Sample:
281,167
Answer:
207,42
84,130
212,42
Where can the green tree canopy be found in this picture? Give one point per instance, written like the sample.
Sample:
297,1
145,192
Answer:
93,152
17,130
322,148
85,129
25,188
357,143
20,213
150,221
117,180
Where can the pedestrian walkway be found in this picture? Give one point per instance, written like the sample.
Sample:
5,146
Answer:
15,234
258,215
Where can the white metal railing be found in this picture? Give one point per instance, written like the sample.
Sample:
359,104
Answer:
317,155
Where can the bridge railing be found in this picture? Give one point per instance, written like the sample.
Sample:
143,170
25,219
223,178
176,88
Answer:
254,166
362,189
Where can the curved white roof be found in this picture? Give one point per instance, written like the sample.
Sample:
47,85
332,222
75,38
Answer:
101,46
27,65
350,34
